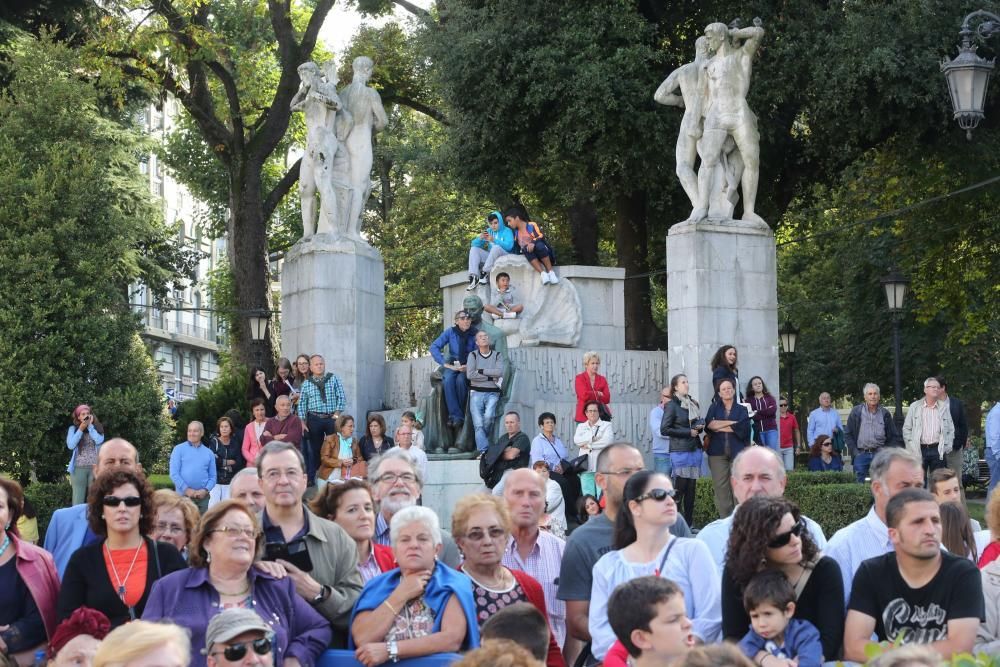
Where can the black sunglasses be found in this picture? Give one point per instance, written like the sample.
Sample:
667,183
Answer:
783,539
658,495
236,652
115,501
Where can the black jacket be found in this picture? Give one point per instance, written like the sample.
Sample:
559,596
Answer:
87,582
231,452
676,425
892,437
957,409
493,465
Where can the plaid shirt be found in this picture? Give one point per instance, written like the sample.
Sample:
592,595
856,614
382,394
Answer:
543,563
311,401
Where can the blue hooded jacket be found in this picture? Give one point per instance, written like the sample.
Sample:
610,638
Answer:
503,236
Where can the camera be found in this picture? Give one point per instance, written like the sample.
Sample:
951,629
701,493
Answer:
698,424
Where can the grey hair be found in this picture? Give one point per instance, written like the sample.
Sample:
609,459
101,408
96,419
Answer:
589,355
885,458
375,464
276,447
871,385
415,514
200,425
779,465
244,472
283,396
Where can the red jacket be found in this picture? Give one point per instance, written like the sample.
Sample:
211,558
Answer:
384,557
600,392
536,597
617,656
38,572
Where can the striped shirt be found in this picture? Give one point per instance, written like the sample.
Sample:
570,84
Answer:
543,563
930,431
866,538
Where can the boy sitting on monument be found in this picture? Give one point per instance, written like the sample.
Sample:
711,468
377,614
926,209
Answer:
504,304
496,241
532,243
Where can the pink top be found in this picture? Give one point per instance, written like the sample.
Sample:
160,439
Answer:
251,444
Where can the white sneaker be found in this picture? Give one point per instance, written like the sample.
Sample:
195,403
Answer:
553,278
473,281
545,277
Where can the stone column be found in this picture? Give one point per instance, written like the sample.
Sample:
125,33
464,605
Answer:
722,289
333,303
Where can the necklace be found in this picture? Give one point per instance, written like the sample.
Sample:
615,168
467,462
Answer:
801,574
232,595
122,590
499,586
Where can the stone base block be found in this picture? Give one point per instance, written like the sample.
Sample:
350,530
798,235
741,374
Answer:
722,290
448,482
333,303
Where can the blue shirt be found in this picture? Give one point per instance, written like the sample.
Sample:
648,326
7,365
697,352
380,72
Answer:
192,467
661,443
993,429
823,422
550,452
801,641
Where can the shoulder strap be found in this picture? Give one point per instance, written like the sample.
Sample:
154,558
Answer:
800,585
663,561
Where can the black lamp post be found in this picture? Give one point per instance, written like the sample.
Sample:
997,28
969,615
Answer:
968,75
896,286
789,335
258,321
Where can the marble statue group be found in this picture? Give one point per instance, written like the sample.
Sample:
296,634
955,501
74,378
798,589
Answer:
336,166
718,126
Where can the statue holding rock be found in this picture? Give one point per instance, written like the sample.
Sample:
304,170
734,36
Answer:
318,101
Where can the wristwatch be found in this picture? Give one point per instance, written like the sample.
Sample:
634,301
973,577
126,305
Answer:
393,649
324,593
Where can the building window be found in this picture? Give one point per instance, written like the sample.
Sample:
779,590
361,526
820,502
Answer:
178,364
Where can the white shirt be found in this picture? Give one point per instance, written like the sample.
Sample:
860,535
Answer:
419,459
716,536
866,538
555,507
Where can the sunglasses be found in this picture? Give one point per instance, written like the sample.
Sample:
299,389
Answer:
659,495
115,501
237,652
783,539
494,533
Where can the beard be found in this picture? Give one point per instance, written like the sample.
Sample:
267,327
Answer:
391,505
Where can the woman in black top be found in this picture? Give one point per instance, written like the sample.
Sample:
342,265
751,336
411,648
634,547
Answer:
683,426
227,447
728,425
260,388
769,532
116,574
375,442
724,367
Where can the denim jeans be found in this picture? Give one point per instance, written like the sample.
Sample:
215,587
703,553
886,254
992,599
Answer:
788,456
993,461
862,461
483,411
456,393
770,439
319,428
662,463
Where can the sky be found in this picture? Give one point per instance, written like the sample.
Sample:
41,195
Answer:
343,21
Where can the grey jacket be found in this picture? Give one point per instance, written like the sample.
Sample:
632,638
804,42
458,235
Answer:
483,372
334,556
914,425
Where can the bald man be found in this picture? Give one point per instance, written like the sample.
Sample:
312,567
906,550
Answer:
68,529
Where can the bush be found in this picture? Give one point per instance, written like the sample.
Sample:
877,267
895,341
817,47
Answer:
47,497
830,499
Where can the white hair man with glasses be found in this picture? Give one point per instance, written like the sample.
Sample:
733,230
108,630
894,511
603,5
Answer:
325,557
397,483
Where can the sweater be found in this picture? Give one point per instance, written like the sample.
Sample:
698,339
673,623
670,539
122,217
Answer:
484,371
290,426
192,467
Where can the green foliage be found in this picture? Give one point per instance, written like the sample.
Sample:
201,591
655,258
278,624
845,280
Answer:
75,220
228,392
830,499
47,497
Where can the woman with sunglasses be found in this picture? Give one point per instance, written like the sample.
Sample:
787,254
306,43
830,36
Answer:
767,533
222,576
481,526
116,574
822,456
644,546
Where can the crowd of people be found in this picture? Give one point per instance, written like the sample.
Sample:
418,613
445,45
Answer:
289,536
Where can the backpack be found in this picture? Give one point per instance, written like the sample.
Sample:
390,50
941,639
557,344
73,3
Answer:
490,472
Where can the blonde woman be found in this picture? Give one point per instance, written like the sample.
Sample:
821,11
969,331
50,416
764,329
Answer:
145,643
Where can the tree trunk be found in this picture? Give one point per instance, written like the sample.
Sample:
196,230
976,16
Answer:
248,260
632,240
583,226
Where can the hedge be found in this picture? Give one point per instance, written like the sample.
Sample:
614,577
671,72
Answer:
47,497
830,499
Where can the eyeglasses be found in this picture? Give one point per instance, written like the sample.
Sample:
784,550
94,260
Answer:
659,495
463,317
273,476
235,531
168,528
495,533
783,539
115,501
391,477
782,405
236,652
626,472
828,444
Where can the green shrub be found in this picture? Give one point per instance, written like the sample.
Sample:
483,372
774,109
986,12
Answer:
47,497
161,482
828,498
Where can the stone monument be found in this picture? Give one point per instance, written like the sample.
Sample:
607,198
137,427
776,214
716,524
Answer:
332,280
721,272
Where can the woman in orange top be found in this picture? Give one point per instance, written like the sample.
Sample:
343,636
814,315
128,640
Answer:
116,573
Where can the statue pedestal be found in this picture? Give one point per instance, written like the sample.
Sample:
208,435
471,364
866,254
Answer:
722,289
333,303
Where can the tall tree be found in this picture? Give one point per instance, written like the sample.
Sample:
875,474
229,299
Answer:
232,66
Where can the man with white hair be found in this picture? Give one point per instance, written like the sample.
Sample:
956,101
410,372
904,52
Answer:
396,484
869,428
192,467
404,441
824,420
756,471
245,487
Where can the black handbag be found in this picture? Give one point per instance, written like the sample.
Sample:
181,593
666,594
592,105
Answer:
575,466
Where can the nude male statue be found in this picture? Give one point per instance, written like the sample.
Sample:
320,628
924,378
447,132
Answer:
319,103
729,115
692,82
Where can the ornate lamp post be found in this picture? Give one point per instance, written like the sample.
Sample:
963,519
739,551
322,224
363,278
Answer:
896,286
789,335
258,321
968,75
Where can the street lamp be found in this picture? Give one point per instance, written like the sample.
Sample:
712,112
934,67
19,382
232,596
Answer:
968,75
896,286
789,336
258,320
